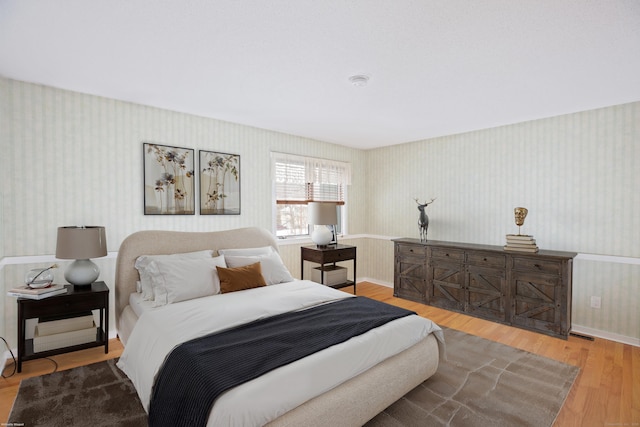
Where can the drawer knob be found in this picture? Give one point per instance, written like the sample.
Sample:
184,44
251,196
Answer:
484,259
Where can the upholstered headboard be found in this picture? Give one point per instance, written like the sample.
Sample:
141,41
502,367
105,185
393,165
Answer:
158,242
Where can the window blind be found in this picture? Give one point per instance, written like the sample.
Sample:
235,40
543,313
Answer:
300,180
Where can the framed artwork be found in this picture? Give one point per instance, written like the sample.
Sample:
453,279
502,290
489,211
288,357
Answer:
169,187
219,183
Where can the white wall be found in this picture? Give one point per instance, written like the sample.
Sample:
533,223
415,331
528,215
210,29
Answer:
70,159
73,159
578,176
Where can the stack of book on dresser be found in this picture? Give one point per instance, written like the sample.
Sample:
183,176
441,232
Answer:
521,243
56,333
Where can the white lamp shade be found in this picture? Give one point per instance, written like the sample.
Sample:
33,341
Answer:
322,213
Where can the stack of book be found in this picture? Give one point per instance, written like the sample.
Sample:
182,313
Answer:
25,291
521,243
66,332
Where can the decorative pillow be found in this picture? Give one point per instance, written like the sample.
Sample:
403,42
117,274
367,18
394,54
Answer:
265,250
176,280
143,261
240,278
273,269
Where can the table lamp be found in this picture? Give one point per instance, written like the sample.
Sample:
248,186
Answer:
81,243
322,213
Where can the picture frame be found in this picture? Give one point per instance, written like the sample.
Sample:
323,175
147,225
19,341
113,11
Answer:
219,176
169,181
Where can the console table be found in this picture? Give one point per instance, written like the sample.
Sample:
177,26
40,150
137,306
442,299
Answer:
527,290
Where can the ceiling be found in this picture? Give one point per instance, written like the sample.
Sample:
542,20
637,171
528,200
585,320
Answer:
435,67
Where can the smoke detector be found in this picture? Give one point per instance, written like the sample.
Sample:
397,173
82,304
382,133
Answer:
359,80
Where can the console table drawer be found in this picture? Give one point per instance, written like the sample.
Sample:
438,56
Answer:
411,250
538,265
486,259
448,254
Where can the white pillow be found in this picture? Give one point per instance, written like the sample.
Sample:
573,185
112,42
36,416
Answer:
265,250
273,269
176,280
143,261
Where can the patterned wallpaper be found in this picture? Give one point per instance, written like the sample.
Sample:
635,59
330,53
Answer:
76,159
72,159
577,174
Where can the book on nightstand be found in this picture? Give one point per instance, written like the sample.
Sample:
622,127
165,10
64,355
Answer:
57,332
26,292
57,326
43,342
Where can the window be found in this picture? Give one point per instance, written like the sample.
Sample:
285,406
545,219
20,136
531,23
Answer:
298,180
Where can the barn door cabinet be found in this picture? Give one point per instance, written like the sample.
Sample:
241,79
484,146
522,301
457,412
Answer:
530,291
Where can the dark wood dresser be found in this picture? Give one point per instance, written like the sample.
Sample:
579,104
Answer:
527,290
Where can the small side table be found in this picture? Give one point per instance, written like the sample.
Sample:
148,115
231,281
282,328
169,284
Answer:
329,255
77,300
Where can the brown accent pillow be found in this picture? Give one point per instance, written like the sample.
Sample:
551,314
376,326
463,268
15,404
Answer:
240,278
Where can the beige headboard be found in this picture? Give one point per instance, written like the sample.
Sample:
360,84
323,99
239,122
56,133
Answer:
157,242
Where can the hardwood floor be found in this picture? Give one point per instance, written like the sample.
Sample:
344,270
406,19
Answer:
606,392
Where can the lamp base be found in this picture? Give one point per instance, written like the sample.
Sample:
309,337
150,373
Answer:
321,236
82,272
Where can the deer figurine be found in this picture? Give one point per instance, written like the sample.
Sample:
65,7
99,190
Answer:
423,221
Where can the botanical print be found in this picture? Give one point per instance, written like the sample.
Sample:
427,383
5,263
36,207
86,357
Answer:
219,183
169,187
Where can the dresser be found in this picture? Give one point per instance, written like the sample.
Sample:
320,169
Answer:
527,290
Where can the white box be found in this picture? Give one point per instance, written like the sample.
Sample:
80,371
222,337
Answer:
65,325
64,339
333,275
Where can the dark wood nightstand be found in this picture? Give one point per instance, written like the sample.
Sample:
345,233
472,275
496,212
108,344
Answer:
77,300
329,255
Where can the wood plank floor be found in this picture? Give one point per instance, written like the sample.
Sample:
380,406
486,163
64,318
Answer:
606,392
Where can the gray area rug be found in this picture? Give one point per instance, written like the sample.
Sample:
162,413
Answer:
482,383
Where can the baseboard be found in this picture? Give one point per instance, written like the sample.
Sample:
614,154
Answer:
584,330
5,357
375,282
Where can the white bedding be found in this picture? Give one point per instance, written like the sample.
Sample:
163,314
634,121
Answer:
139,305
159,330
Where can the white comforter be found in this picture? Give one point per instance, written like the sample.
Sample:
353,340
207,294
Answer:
157,332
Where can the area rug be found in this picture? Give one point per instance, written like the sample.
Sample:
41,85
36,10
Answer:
482,383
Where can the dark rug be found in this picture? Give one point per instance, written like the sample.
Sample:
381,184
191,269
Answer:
483,383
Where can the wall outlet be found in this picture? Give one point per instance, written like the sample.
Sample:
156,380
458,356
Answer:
596,302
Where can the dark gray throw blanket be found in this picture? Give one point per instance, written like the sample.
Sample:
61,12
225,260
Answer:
198,371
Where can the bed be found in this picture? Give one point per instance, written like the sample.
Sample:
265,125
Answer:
370,381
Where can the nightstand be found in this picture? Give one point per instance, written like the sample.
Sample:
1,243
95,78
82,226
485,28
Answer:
329,255
77,300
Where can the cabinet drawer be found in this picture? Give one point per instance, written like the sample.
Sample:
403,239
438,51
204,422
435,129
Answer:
340,255
539,265
411,250
448,254
486,259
